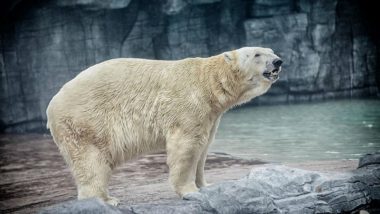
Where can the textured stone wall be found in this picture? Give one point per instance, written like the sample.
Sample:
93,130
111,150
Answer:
327,49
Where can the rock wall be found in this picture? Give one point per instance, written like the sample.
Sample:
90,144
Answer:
325,45
327,48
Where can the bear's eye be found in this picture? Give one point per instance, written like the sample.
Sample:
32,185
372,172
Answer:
257,55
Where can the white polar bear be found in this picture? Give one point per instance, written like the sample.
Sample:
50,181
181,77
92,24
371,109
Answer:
122,108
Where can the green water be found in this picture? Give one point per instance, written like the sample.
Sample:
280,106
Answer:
330,130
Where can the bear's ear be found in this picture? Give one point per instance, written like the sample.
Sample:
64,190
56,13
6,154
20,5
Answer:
229,57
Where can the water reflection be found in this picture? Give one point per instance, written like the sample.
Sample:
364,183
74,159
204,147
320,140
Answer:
342,129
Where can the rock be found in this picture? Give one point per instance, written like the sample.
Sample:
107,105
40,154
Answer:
369,159
328,49
95,4
173,7
88,206
265,8
280,189
174,207
274,189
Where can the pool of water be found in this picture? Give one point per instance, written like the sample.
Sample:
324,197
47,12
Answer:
343,129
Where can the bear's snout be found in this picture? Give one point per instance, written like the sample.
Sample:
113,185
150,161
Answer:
277,62
273,69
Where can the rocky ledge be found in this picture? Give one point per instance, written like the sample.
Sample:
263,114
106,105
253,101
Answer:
266,189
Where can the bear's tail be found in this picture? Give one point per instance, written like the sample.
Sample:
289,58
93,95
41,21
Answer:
48,121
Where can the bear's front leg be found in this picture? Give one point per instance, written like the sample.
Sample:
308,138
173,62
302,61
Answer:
183,154
200,179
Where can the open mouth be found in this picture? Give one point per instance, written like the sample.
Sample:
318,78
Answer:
272,75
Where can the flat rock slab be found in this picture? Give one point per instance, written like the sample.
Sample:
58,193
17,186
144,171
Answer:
267,189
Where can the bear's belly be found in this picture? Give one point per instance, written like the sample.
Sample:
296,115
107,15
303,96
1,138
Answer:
133,139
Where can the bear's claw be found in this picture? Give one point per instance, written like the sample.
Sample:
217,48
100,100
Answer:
112,201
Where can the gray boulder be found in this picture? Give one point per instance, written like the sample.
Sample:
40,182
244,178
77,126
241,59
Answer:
369,159
281,189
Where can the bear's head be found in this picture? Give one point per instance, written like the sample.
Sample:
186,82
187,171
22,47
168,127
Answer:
257,69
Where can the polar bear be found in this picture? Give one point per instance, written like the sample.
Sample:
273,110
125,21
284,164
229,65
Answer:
122,108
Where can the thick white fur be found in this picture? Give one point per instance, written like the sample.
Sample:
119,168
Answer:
122,108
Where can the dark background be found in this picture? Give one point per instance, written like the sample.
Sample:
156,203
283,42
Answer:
330,48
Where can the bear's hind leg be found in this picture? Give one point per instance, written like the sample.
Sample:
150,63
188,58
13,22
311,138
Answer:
92,172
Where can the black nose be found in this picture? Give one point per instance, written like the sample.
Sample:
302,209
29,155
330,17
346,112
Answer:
277,62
